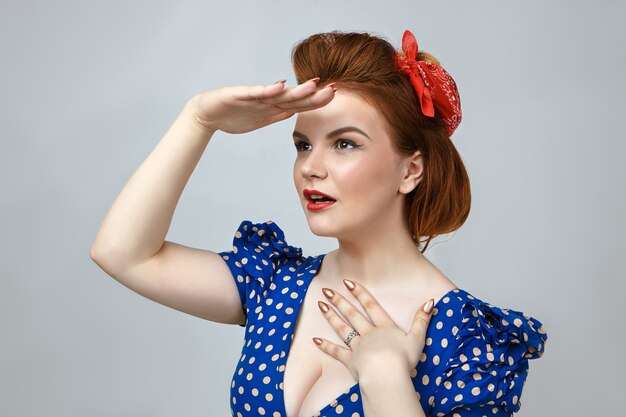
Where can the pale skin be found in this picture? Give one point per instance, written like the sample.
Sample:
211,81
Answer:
381,349
131,247
369,180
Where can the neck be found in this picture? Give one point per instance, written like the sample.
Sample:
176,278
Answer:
383,254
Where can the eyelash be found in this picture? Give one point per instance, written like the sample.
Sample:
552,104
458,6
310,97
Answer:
299,144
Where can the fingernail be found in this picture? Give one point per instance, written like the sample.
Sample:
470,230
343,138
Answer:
280,81
323,306
316,79
328,292
332,85
349,284
317,341
428,307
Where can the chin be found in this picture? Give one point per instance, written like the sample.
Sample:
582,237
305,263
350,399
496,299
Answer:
322,227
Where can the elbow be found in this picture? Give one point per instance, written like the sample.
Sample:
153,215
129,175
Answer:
92,253
96,252
96,256
107,262
101,256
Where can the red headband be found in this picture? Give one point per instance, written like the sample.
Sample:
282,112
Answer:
434,86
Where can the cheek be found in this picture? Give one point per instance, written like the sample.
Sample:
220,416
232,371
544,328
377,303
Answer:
296,175
369,180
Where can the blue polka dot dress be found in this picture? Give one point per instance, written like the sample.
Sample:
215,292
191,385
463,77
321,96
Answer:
474,362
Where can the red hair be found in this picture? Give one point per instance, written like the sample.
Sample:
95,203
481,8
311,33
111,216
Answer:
366,65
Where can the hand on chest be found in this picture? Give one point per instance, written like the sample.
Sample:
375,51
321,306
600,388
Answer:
312,378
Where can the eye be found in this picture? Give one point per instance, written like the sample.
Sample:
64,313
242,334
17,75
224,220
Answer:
341,142
300,145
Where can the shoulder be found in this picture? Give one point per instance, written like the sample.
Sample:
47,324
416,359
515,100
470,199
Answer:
488,349
261,256
259,249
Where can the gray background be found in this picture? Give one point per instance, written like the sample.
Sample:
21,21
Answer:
87,89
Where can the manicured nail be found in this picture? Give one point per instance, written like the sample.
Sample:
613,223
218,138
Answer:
280,81
428,307
316,79
349,284
317,341
331,85
323,306
328,292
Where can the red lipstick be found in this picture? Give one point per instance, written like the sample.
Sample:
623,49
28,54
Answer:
317,200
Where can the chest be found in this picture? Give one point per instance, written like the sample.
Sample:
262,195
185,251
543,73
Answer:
312,378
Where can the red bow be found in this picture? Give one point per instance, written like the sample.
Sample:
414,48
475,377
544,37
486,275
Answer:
434,86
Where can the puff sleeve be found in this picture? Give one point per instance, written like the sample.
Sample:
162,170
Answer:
488,368
258,251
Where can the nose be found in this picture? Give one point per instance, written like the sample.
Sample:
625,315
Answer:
312,165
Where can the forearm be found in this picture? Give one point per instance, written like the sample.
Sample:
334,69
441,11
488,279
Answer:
136,224
388,390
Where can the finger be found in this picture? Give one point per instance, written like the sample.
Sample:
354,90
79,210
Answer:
340,353
354,317
313,100
306,96
341,327
276,93
261,91
422,318
373,309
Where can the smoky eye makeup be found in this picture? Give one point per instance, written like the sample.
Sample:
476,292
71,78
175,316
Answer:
340,144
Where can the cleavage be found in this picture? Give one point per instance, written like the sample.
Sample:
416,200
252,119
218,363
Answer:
311,375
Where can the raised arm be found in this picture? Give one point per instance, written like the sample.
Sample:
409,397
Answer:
130,244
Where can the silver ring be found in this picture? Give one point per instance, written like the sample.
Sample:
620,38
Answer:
352,334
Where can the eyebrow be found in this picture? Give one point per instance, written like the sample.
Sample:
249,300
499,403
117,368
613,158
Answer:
334,132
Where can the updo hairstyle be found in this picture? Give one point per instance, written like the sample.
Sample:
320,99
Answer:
366,65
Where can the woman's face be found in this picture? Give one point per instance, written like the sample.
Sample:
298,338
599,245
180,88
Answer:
359,170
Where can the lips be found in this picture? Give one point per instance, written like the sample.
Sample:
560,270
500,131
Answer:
318,200
310,194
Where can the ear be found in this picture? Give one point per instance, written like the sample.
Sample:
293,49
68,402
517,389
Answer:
414,168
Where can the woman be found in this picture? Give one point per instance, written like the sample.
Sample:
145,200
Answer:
376,169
